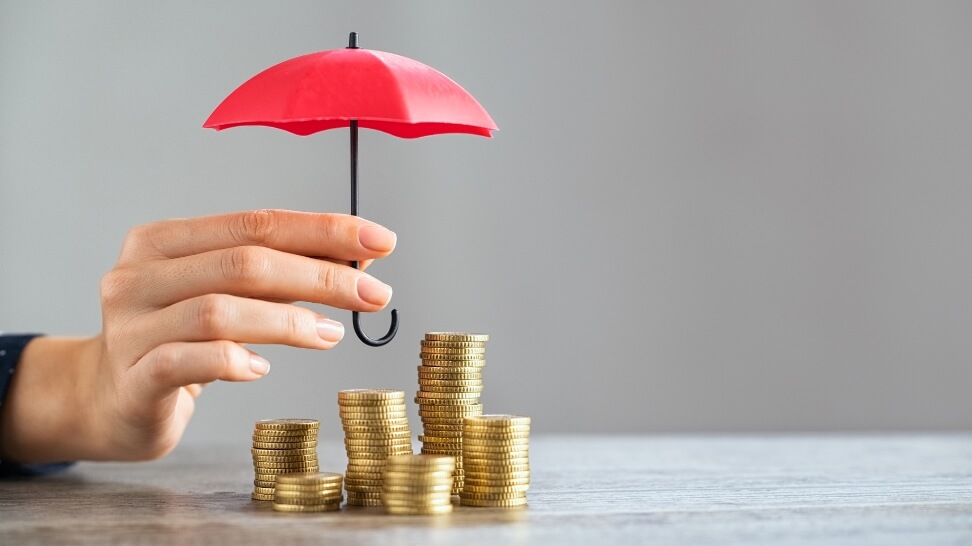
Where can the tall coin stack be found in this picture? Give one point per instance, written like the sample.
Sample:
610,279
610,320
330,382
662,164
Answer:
450,383
495,454
375,427
309,492
418,484
282,446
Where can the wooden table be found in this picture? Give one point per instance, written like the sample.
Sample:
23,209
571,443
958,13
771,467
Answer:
853,489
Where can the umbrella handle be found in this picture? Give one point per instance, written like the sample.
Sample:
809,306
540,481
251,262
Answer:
393,329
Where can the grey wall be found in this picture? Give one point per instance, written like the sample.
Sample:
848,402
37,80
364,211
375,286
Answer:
696,216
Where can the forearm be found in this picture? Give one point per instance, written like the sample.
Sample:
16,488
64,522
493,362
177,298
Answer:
46,414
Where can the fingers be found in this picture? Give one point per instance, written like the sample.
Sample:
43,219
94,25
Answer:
243,320
168,367
338,236
249,271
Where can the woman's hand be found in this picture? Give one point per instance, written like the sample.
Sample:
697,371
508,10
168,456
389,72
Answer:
177,308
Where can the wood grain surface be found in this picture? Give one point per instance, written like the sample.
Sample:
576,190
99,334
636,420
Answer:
844,489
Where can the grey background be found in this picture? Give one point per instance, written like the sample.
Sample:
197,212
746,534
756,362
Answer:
716,216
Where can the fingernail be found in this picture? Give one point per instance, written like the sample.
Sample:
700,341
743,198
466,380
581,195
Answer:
330,330
373,291
259,365
377,238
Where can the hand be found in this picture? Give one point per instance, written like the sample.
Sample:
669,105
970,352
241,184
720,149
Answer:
177,308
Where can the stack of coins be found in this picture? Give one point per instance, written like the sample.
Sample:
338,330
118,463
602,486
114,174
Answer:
375,427
282,446
495,452
450,383
308,492
418,484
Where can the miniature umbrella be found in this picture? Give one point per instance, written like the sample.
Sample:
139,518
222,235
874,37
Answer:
354,88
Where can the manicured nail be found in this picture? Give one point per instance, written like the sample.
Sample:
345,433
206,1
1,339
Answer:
330,330
373,291
259,365
377,238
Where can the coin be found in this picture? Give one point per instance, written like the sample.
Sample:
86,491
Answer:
498,421
370,394
493,503
331,507
287,424
456,336
275,445
463,351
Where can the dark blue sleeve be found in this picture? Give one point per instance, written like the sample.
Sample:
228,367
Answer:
10,348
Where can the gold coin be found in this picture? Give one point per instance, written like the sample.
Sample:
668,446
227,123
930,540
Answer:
474,401
420,463
456,371
284,433
499,420
493,503
381,408
373,416
429,388
375,425
474,469
453,344
498,436
261,496
453,350
491,496
494,489
456,336
372,503
309,490
283,459
419,511
310,478
284,452
374,464
443,364
431,353
416,489
464,359
287,424
379,442
285,497
444,499
492,481
425,383
451,373
378,455
450,449
369,394
364,495
261,483
276,445
407,477
496,445
498,452
358,431
263,490
293,438
450,411
330,507
404,433
454,435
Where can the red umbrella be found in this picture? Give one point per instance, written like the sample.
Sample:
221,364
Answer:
354,88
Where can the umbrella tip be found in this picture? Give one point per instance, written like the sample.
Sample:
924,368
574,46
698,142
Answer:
353,41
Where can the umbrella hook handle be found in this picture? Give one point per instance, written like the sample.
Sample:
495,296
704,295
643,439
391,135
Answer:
393,329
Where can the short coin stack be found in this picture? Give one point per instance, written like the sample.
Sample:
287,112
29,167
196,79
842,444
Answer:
418,484
282,446
375,427
308,492
495,454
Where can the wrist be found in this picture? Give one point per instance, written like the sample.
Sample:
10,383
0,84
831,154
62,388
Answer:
46,414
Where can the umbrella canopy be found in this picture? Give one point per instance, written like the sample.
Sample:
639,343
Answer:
354,88
329,89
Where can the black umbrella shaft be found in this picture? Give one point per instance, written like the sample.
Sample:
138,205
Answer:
354,169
